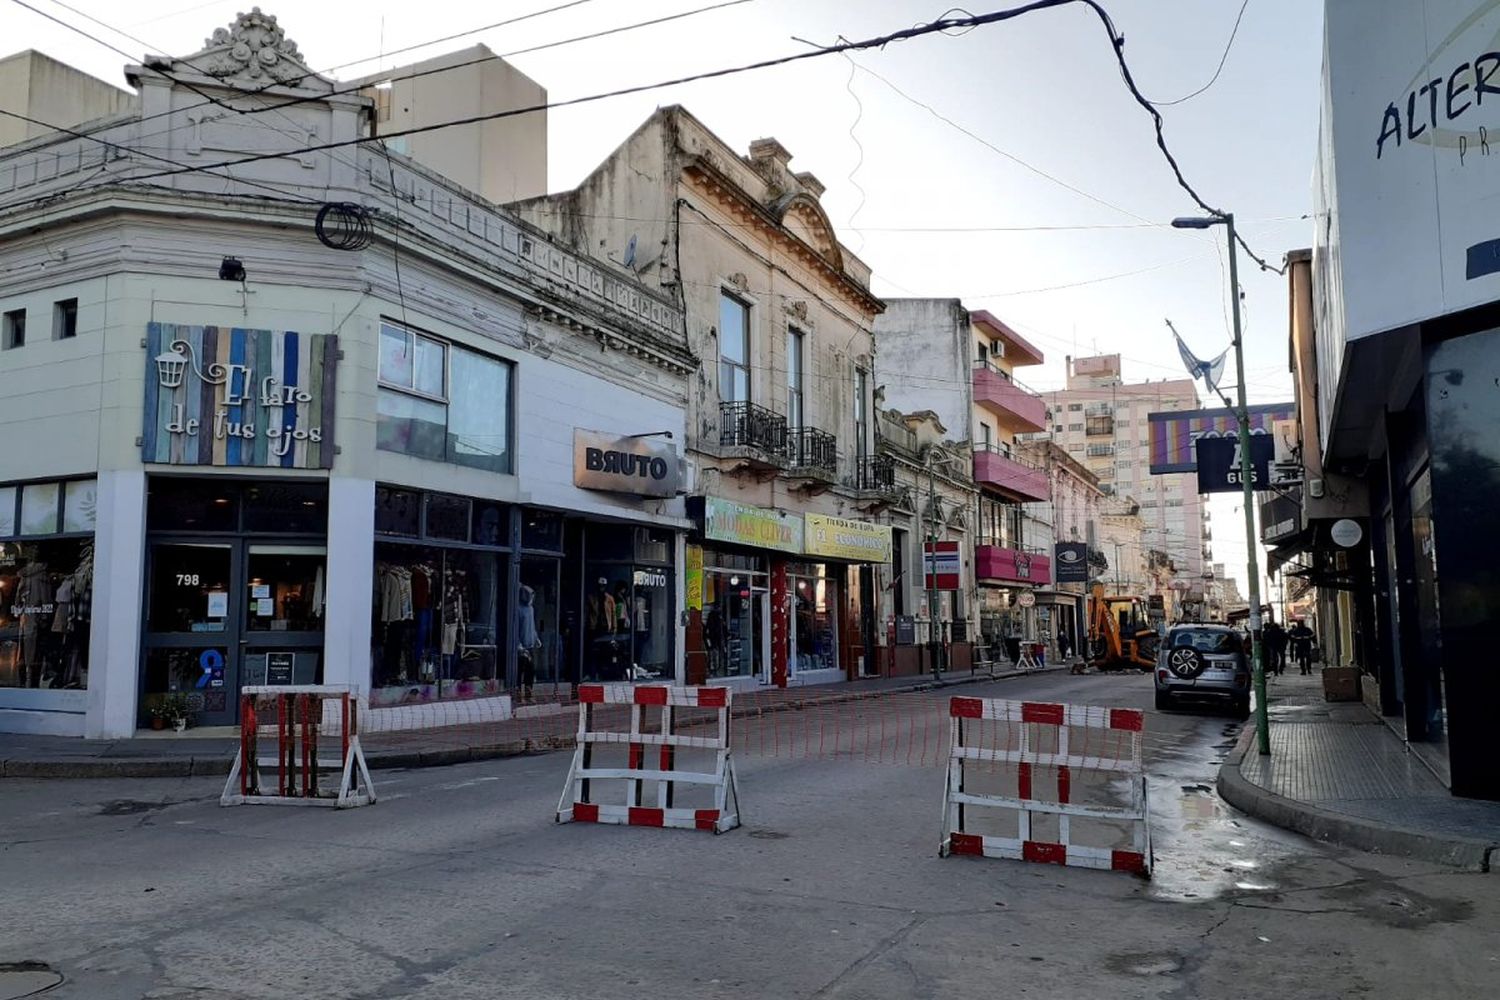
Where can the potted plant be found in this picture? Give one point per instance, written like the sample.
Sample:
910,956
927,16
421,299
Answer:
157,713
174,711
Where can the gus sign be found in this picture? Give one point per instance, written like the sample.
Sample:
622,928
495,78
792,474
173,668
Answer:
1219,466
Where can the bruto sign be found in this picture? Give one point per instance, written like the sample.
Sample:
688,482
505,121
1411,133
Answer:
640,466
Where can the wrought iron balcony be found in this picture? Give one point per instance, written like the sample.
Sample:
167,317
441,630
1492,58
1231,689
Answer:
746,425
876,473
809,448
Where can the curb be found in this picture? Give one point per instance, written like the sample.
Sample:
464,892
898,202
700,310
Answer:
197,767
1347,831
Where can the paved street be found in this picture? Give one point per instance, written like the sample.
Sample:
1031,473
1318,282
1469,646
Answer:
458,885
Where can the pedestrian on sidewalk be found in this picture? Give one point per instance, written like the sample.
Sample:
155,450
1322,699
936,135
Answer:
1302,644
1276,639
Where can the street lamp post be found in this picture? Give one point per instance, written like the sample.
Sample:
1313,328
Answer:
1242,413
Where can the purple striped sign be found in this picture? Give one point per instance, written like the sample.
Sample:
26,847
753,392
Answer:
233,397
1174,433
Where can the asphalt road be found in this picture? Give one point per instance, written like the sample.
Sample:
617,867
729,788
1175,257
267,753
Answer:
457,885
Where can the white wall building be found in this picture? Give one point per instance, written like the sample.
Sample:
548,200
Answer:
438,469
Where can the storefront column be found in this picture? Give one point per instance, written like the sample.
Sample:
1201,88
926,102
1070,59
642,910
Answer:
679,606
351,582
780,627
115,631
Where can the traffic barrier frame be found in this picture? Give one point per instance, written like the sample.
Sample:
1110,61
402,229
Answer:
1137,858
575,805
299,711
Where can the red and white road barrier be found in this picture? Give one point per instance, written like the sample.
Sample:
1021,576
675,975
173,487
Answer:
576,804
1028,736
299,714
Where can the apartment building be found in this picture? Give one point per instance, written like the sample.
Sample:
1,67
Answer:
1101,420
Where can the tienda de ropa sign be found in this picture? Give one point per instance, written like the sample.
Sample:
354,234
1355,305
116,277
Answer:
841,538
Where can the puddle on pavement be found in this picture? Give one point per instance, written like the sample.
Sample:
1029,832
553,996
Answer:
26,979
1202,848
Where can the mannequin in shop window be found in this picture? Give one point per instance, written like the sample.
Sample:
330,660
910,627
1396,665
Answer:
715,640
527,641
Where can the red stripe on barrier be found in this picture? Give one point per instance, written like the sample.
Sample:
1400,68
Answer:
1064,783
592,693
645,817
706,819
966,708
966,843
1127,718
1023,780
585,812
666,758
1127,861
1048,854
713,697
650,696
637,756
1043,712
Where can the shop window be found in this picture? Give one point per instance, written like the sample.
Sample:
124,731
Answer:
286,588
191,505
189,588
815,601
538,625
629,605
286,508
541,529
398,512
736,603
447,518
438,616
652,545
46,588
80,506
39,508
7,511
441,402
491,523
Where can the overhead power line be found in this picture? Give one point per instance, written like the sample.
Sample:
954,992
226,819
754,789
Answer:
1117,45
1222,59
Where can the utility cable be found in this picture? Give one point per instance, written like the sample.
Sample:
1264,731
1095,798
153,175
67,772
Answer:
1222,59
1117,44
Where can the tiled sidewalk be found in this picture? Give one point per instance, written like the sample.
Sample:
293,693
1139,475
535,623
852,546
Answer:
1338,760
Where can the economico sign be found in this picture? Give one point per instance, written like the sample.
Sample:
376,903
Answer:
1409,160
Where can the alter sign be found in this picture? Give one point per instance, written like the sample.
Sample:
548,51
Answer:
636,465
234,397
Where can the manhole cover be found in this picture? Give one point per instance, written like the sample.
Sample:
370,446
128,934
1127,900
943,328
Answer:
26,979
769,835
129,807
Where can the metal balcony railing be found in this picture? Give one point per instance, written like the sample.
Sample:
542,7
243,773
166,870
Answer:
748,425
1007,376
876,472
809,448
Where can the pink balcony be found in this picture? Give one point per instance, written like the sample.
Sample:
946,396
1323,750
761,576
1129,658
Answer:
1016,409
994,564
1016,480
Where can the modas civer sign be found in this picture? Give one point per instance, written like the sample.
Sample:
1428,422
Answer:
639,466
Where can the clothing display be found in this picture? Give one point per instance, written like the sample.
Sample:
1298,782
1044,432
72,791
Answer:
424,636
46,613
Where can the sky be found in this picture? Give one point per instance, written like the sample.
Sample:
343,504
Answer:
1042,197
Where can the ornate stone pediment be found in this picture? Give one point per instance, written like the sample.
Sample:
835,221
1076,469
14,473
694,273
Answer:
255,50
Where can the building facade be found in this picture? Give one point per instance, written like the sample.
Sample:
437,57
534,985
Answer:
780,424
412,447
938,356
1102,421
1405,313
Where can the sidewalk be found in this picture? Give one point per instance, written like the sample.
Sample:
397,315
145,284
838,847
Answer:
1337,773
537,728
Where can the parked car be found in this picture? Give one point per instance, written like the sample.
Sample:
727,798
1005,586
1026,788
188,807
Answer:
1203,662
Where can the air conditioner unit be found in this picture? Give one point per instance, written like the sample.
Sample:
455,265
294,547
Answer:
1315,488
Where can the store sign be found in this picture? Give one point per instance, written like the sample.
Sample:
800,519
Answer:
942,566
234,397
1220,464
693,578
1072,560
1409,161
1280,519
1026,599
841,538
642,467
1175,434
758,527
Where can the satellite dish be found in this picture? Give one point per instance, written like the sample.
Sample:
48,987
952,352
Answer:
630,252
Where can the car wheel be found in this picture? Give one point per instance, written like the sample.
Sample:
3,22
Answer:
1242,708
1163,700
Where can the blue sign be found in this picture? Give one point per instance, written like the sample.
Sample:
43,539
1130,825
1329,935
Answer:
1219,469
212,664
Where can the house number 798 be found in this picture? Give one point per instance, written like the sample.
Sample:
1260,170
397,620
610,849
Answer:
187,579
